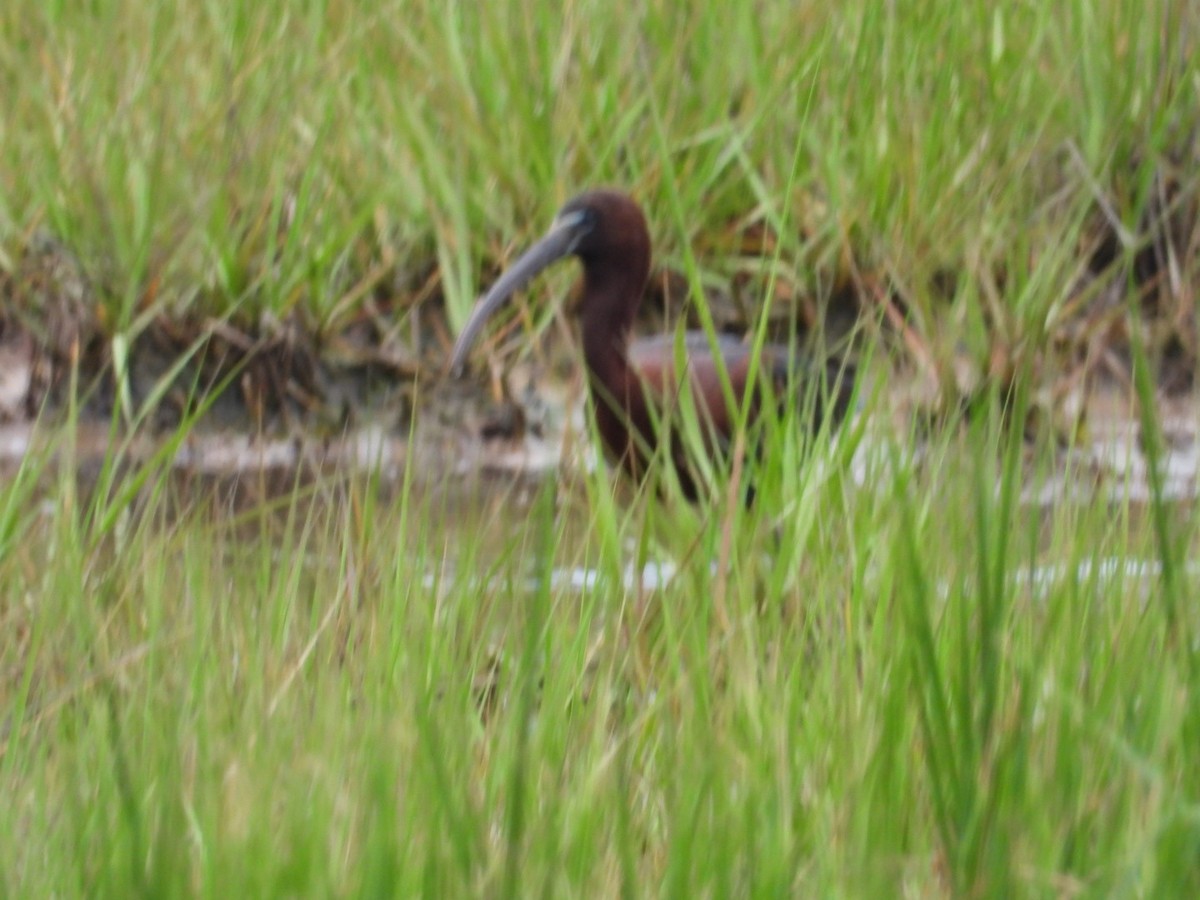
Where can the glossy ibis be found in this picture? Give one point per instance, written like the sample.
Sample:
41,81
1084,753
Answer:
634,383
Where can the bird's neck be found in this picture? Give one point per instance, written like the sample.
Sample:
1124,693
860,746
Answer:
610,302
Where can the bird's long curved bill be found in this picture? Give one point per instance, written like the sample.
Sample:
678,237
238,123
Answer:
559,242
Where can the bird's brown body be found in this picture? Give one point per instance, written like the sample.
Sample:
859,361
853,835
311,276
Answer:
634,383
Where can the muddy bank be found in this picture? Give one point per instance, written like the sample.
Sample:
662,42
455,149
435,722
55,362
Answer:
379,354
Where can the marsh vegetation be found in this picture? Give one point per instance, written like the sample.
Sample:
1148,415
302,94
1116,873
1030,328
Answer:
944,653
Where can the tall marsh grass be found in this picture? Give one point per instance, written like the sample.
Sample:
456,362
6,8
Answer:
900,681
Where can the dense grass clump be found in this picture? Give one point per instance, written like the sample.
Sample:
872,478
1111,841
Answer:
915,683
965,174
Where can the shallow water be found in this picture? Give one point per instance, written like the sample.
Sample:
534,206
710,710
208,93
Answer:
1110,462
483,484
